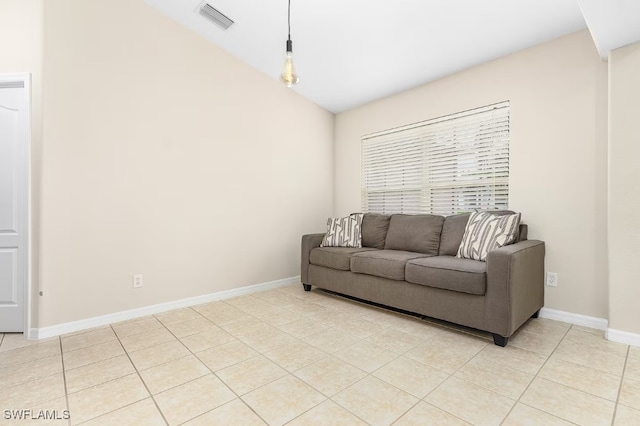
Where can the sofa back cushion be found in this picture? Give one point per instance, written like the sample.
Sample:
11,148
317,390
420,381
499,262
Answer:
418,233
523,232
453,231
374,230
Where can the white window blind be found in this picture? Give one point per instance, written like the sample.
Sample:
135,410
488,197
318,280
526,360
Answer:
447,165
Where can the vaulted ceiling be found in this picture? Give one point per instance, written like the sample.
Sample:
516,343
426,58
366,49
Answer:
348,53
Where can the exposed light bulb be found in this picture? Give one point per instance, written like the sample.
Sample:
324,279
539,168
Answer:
289,76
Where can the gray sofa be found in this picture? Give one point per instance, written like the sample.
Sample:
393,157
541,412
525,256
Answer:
409,262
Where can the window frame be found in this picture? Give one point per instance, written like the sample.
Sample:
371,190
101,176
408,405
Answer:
451,164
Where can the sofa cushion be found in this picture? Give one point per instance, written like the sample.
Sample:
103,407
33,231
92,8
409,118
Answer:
523,232
449,273
486,232
452,232
344,231
374,230
383,263
414,233
334,257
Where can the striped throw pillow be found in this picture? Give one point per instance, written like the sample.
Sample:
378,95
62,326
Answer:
344,231
485,232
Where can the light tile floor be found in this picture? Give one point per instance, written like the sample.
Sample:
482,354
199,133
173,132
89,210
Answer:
305,358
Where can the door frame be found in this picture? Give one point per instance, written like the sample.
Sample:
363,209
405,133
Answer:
24,208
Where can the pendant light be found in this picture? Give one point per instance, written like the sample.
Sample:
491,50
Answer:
289,76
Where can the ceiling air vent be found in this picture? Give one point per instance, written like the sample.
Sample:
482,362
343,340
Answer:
215,16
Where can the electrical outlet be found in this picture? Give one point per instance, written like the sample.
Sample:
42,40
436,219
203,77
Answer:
552,279
137,281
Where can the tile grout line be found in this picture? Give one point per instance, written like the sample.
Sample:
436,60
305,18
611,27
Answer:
112,411
93,363
212,372
97,362
64,380
327,399
450,329
332,355
45,376
367,374
27,362
588,367
624,370
330,398
135,334
402,354
219,406
141,379
221,327
534,378
259,387
386,326
450,375
195,355
300,339
88,346
291,373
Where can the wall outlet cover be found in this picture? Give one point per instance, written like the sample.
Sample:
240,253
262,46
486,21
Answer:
137,281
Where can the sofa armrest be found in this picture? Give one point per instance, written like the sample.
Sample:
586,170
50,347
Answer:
515,286
309,241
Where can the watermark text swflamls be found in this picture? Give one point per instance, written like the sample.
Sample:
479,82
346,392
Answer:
26,414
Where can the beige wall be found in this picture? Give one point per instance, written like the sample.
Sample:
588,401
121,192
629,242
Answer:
166,156
21,52
558,94
624,193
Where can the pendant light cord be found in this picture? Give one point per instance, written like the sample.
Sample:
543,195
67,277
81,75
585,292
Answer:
289,21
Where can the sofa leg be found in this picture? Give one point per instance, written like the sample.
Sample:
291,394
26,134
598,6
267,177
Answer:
500,340
536,315
307,287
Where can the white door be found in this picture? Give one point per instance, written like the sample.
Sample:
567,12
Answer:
14,156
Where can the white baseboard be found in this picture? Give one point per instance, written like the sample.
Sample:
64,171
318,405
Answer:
577,319
632,339
592,322
70,327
